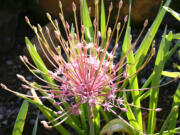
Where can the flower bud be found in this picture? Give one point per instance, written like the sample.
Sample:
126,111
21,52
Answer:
146,23
158,109
124,74
70,37
110,7
59,112
96,2
74,6
25,59
109,31
118,26
45,124
61,16
56,34
95,22
124,109
67,25
47,29
82,29
35,29
60,4
48,16
56,22
25,86
20,77
120,3
39,27
126,18
3,86
89,10
27,20
99,33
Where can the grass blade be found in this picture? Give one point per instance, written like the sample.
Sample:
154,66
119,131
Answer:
20,120
136,122
172,12
103,21
166,122
37,59
144,47
176,104
159,65
89,32
36,125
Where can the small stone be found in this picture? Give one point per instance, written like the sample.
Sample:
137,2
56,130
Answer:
5,122
1,116
9,62
29,77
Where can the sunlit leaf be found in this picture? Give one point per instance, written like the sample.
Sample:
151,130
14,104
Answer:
171,74
176,36
172,12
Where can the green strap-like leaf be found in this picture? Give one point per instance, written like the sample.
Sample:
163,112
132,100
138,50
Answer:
20,120
103,20
176,105
37,59
144,47
171,74
36,125
176,36
154,91
116,125
89,32
172,12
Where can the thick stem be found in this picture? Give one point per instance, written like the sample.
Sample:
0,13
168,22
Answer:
90,119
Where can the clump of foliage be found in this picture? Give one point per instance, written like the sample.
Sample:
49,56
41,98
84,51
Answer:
86,87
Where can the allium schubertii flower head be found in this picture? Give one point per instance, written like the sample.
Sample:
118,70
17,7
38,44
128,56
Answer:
86,74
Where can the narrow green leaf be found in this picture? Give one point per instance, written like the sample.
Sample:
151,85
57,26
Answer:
159,65
172,12
176,65
166,122
89,32
84,116
133,81
176,104
116,125
96,120
20,120
103,21
36,125
144,47
177,130
176,36
172,51
37,59
171,74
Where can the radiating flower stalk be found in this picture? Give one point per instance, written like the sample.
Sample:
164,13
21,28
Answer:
87,73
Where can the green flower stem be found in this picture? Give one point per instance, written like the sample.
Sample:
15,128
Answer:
90,119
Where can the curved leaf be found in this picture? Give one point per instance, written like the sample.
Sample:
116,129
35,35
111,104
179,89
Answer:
116,125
